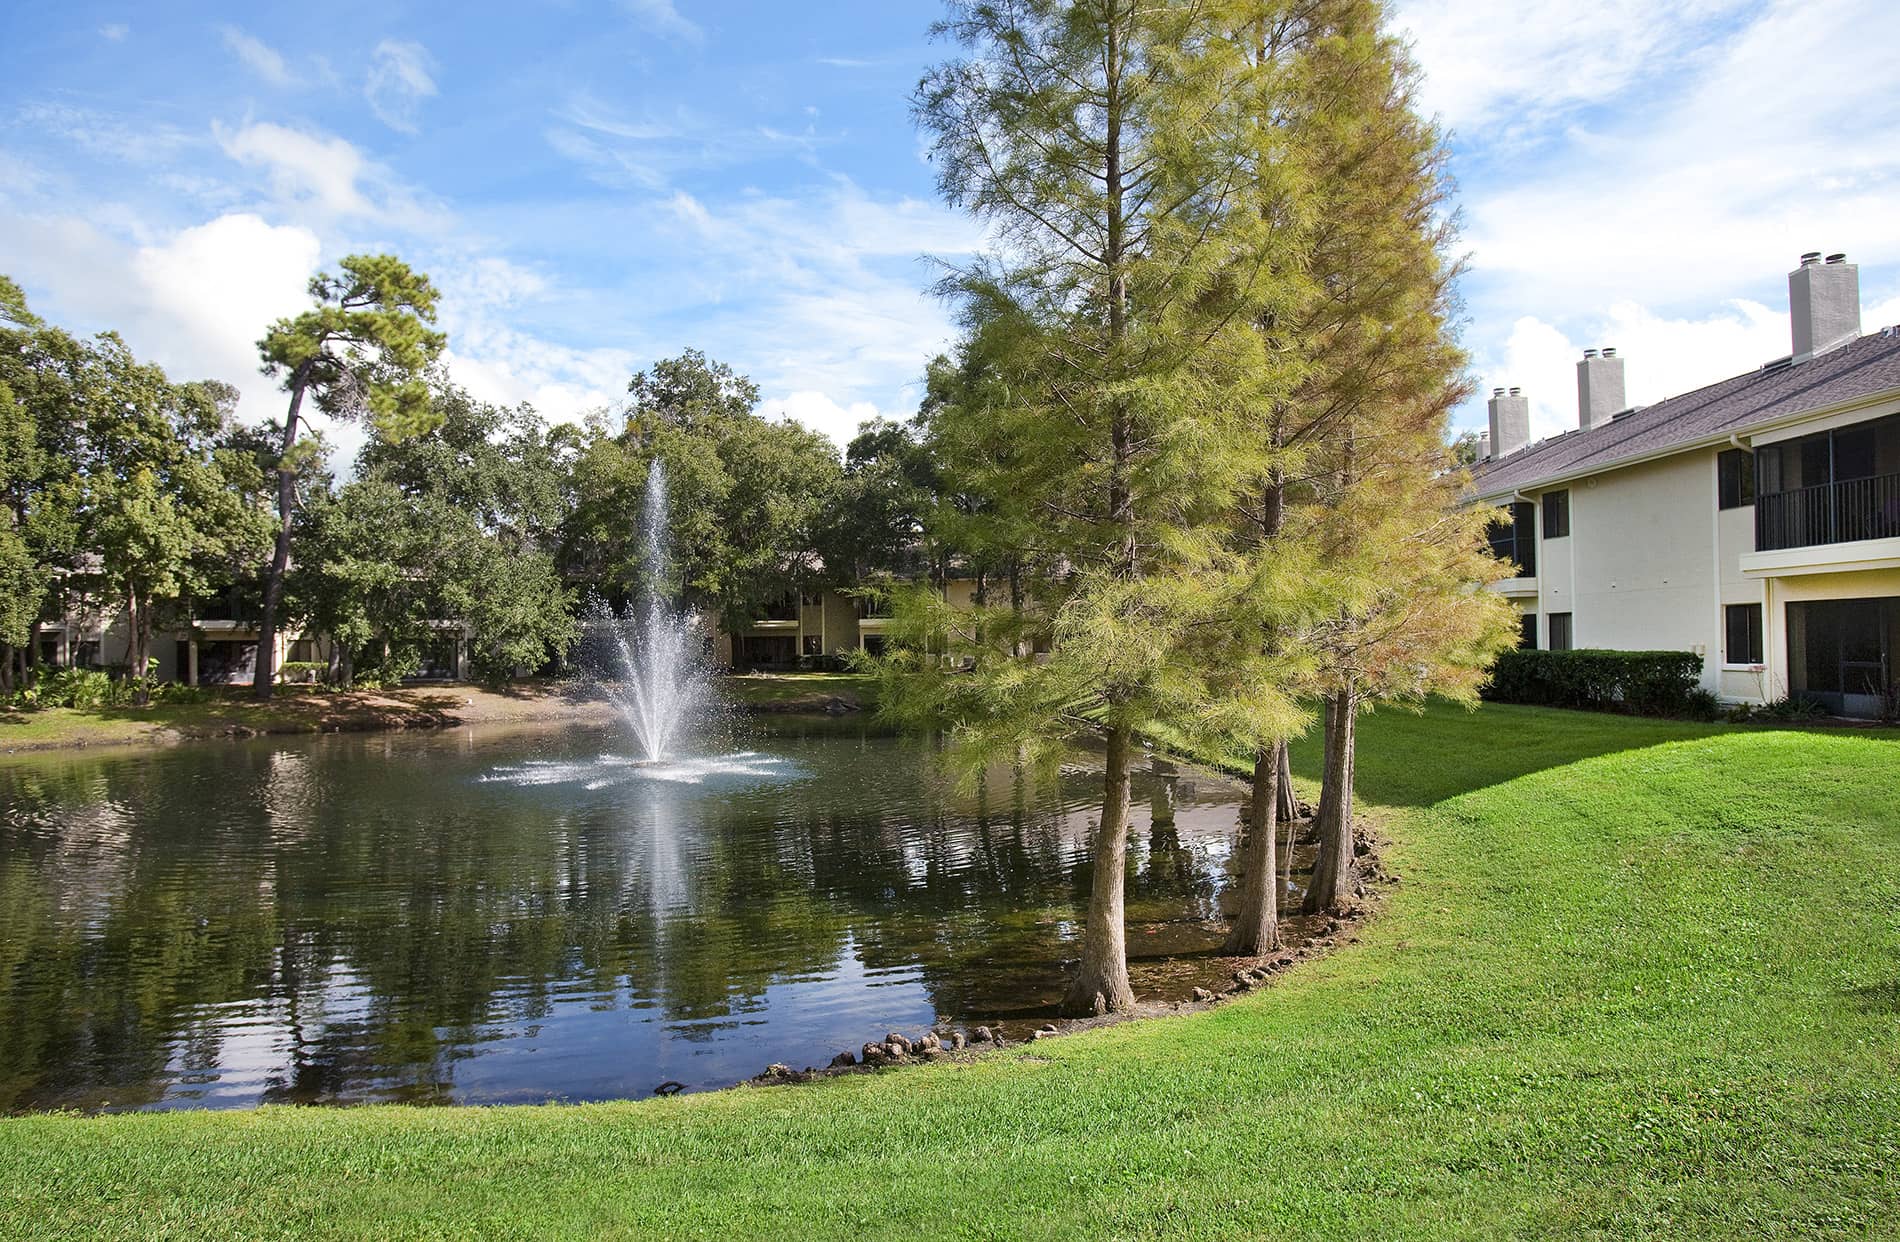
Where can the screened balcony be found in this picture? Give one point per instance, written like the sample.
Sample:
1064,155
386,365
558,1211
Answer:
1838,486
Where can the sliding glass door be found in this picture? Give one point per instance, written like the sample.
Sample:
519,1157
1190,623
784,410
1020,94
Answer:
1841,653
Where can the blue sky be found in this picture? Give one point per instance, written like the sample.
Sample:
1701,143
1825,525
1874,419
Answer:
595,185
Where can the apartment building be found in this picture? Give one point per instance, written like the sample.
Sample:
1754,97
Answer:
818,624
1755,521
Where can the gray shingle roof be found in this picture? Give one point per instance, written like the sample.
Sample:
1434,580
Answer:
1863,368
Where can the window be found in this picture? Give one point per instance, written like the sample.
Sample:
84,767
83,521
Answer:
1557,514
814,645
1735,471
1515,538
1527,632
1560,631
1744,634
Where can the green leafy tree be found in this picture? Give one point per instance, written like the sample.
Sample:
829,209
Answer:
41,372
486,487
1116,314
1356,467
157,505
746,496
875,521
361,352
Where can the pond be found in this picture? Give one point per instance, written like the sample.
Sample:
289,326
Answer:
485,917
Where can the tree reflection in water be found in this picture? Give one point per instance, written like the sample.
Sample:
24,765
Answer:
400,917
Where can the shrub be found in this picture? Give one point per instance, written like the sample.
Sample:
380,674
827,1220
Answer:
1701,704
76,687
303,672
1649,682
90,688
1791,709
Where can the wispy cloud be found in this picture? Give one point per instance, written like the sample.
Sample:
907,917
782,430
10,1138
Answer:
1501,64
114,32
257,56
662,18
652,151
400,78
1655,204
106,134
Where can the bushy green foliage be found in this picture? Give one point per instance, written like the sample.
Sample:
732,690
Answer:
1789,710
1701,704
746,496
90,688
1648,682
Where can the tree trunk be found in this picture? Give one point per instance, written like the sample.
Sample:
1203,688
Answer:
1101,984
6,669
1332,884
1256,928
138,645
264,678
1289,806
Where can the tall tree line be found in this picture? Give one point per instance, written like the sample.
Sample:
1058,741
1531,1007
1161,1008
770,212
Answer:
1206,373
144,502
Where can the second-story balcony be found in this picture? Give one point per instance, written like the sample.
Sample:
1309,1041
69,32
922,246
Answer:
1838,512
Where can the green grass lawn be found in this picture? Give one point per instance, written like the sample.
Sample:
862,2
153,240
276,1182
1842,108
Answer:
1640,979
779,689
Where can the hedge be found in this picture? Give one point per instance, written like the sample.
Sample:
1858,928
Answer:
1650,682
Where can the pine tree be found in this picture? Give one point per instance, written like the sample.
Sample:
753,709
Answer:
1358,468
1114,321
360,353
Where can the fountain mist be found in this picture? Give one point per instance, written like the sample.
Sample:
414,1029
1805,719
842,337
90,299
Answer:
663,686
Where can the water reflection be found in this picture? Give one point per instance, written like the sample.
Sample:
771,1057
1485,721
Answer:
510,918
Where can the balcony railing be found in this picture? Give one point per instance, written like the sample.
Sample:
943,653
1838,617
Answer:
1829,513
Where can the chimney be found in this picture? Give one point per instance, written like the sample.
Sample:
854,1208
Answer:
1484,446
1599,388
1510,421
1824,303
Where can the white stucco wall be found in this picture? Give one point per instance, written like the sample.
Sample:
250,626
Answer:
1639,568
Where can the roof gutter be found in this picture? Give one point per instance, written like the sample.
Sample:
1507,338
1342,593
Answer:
1711,441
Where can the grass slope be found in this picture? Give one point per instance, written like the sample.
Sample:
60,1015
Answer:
1640,979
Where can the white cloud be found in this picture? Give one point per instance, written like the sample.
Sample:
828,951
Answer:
819,412
303,166
1663,356
212,290
662,18
195,301
320,179
111,135
650,151
821,298
257,56
1657,203
1787,140
1528,62
114,32
400,78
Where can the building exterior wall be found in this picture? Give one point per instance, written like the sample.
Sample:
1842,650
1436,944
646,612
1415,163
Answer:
1639,568
1652,562
841,623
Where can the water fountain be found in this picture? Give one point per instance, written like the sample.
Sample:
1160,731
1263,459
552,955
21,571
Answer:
662,689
